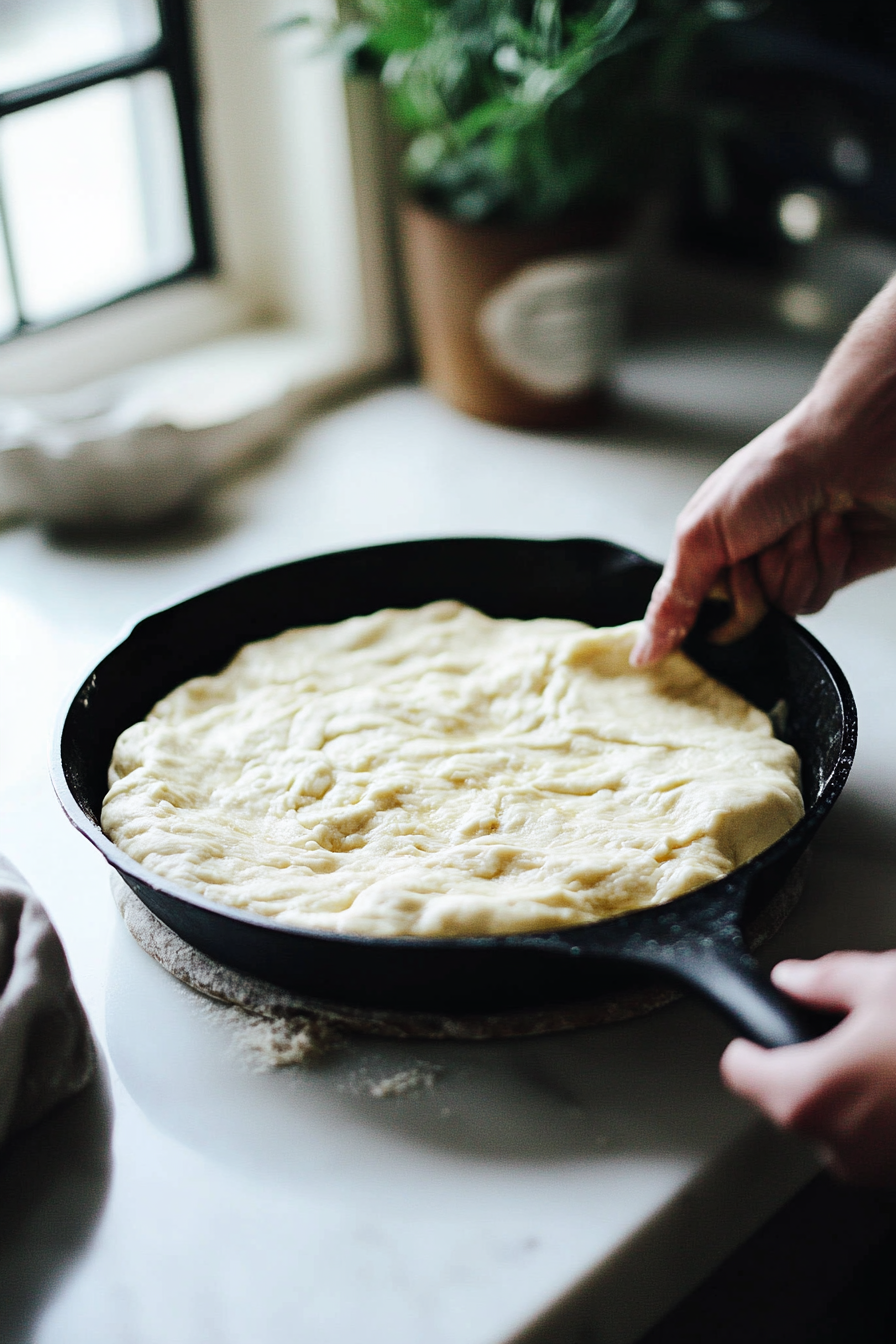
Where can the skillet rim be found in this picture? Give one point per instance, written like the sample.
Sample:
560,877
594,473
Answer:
125,865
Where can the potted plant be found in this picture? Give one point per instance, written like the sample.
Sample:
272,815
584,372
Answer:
535,131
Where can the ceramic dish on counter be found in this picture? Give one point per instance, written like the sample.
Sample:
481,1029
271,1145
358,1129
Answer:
697,939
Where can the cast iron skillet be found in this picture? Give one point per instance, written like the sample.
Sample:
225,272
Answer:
695,939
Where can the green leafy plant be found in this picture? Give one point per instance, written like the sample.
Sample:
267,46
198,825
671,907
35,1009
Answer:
525,110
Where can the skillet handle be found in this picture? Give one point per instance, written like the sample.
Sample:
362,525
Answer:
723,971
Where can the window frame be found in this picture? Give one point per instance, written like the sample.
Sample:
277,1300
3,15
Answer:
174,55
299,176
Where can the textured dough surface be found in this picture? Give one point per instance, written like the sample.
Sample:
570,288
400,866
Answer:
440,773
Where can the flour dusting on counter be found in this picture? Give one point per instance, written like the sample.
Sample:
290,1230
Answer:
440,773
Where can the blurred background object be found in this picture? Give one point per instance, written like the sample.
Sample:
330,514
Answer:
535,129
187,255
708,162
808,209
596,194
132,450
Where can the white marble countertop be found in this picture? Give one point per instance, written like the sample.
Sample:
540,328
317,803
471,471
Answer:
569,1188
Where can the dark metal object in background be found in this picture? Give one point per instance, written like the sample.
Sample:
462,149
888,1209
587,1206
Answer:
805,78
695,940
173,54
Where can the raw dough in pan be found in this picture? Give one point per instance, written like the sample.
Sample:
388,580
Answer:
439,773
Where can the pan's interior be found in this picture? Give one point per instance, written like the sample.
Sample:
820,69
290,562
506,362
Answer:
591,581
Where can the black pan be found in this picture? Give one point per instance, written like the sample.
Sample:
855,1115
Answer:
696,940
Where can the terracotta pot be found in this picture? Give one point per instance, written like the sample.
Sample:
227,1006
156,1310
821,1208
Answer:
517,325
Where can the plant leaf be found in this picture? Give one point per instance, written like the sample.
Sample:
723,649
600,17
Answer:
524,109
614,20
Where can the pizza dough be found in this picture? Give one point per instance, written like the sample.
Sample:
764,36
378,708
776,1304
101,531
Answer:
438,773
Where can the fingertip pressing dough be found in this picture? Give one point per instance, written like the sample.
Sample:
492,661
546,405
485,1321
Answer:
439,773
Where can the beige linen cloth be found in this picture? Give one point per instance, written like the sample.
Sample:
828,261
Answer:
46,1050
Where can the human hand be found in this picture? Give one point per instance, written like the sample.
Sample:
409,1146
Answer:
838,1090
807,507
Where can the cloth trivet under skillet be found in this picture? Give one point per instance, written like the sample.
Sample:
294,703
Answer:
257,997
46,1049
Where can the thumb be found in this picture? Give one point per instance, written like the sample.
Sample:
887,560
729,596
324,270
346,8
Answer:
778,1082
748,605
834,982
